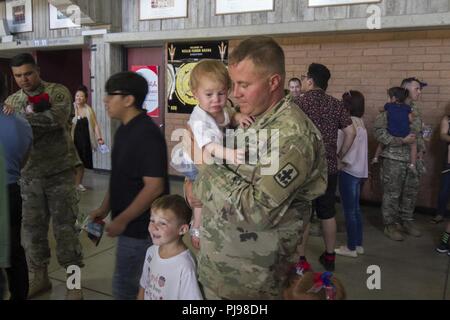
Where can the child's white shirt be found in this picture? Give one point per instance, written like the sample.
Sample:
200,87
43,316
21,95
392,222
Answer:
205,129
169,279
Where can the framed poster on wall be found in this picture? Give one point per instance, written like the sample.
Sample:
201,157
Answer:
323,3
151,102
64,16
182,58
19,14
162,9
240,6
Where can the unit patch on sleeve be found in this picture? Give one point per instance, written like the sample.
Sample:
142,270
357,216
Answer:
286,175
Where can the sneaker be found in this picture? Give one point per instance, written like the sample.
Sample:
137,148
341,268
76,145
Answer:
443,248
444,245
327,261
410,228
359,250
301,267
392,232
345,251
81,188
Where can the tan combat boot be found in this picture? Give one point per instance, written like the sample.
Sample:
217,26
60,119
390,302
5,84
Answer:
40,283
74,294
410,228
392,232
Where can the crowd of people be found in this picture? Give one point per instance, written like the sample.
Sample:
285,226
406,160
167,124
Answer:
248,204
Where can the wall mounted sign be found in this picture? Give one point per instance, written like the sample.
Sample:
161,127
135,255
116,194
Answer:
151,102
323,3
19,14
162,9
64,16
182,58
239,6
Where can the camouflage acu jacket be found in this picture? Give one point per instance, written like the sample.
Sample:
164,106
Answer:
252,215
53,150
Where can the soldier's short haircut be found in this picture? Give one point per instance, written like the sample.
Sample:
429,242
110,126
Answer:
265,53
214,70
129,83
176,204
320,75
22,59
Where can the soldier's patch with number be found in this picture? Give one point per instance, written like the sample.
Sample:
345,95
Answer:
59,97
286,175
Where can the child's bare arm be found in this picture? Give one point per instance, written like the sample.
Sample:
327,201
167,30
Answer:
197,218
230,155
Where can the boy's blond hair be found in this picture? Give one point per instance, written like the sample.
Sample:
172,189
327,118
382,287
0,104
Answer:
176,204
212,69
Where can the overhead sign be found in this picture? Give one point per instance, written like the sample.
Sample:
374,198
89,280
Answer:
182,59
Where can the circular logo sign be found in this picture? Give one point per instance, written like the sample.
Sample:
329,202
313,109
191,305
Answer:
182,89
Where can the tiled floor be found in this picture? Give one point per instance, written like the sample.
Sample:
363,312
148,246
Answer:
409,270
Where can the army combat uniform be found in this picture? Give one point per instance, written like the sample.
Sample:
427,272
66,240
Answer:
400,184
48,186
252,222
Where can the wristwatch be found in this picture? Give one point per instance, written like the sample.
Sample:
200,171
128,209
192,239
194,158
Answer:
194,232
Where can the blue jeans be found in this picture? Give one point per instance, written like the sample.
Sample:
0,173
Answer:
444,193
350,189
130,256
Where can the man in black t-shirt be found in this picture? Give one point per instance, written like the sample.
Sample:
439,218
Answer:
138,176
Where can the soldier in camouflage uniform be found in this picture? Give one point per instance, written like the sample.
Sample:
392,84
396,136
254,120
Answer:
400,184
253,221
48,185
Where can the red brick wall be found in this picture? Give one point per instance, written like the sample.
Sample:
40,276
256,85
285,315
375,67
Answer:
371,63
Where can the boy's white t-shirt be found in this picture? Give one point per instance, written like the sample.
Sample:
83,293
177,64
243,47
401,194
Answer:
205,128
169,279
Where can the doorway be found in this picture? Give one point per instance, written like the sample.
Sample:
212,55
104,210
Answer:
67,67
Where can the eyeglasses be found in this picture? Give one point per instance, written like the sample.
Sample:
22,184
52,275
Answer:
124,93
303,77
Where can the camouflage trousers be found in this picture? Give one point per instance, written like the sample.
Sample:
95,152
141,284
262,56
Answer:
240,266
400,188
52,197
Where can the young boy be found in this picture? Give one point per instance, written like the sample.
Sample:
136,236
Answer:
399,116
169,271
209,83
138,176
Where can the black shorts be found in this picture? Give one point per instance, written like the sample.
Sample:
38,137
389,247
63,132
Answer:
324,205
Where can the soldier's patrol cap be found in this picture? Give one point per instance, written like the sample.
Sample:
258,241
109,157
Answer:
411,79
